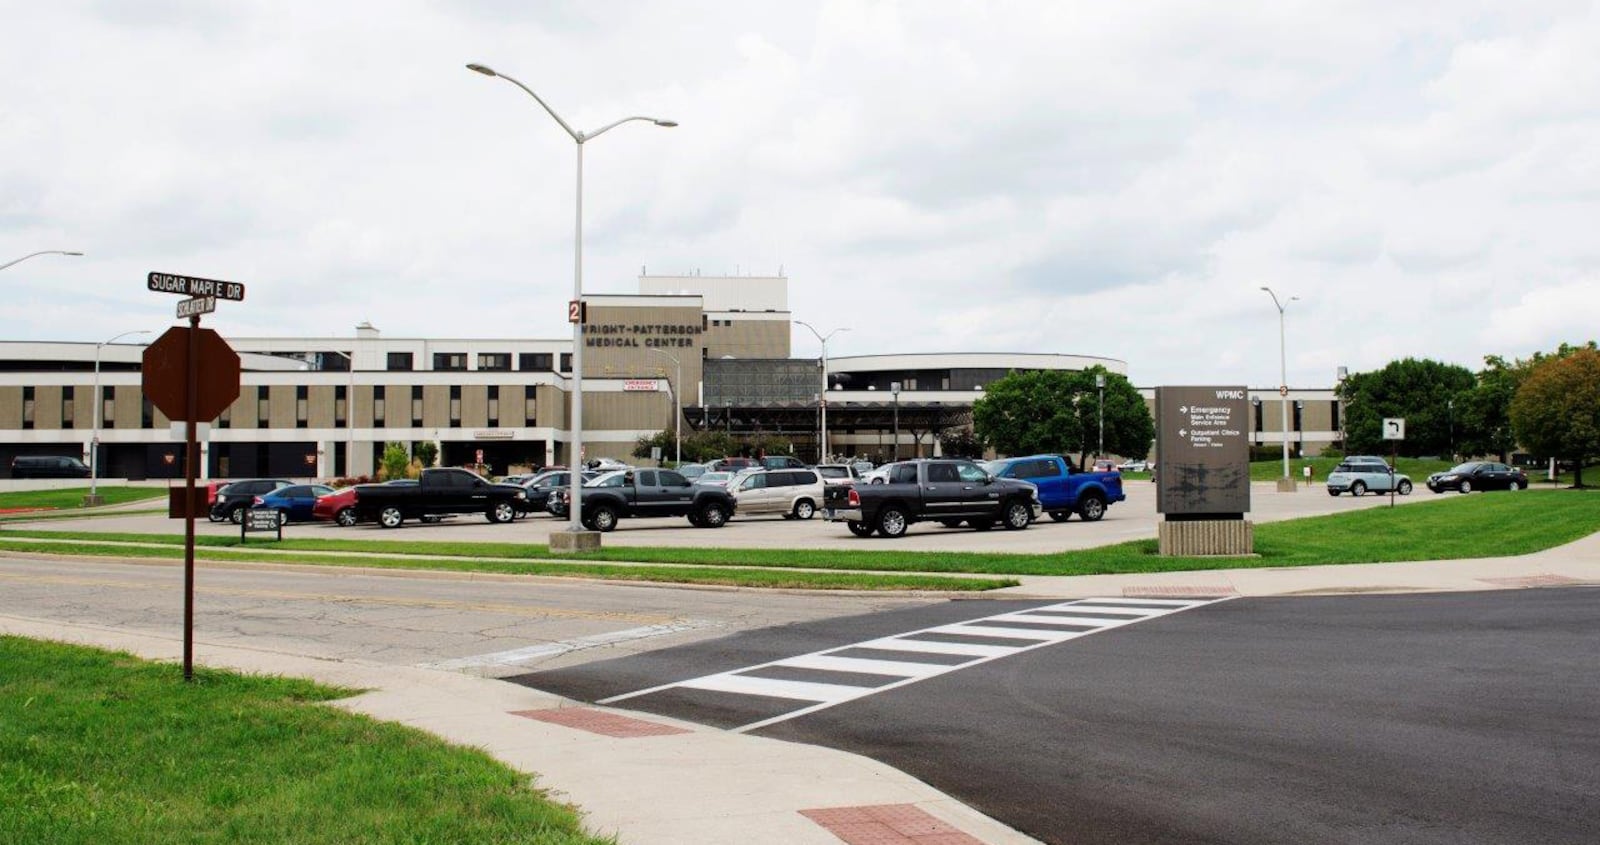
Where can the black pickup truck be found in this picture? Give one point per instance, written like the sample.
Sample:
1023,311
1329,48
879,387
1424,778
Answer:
437,493
647,493
949,492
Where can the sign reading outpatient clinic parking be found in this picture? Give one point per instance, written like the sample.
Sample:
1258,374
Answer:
1203,453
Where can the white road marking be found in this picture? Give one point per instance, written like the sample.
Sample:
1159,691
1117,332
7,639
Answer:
518,656
825,695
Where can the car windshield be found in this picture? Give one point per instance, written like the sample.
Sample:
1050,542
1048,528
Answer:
1466,467
833,472
610,479
993,467
716,477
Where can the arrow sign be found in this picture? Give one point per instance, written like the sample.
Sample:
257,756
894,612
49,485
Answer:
1394,428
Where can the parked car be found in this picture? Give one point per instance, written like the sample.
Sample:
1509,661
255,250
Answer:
540,486
1359,478
690,471
837,473
439,491
557,503
862,467
732,464
641,493
48,466
1063,492
947,491
1104,465
605,464
340,505
293,503
782,462
1139,465
1478,475
234,498
717,477
794,493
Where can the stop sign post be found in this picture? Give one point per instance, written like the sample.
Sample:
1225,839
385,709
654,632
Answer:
192,375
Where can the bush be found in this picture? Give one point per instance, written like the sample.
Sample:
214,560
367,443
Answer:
351,481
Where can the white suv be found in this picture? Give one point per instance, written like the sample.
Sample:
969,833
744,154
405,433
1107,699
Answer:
794,493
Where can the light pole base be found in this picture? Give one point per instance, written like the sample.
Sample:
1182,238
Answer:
574,541
1286,485
94,501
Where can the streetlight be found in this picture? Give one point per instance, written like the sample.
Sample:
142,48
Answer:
822,434
1287,482
1340,375
576,449
41,252
1100,382
894,387
94,439
677,404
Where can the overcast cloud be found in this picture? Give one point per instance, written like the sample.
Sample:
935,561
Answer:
1110,179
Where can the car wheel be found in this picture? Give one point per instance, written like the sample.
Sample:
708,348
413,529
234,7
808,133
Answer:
892,522
1332,492
1359,488
1403,488
712,515
345,518
1092,508
1521,485
502,512
860,529
1017,516
1061,516
950,523
983,524
391,517
1466,486
804,509
236,516
602,518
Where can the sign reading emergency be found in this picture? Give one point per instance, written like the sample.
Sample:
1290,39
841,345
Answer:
648,385
1204,454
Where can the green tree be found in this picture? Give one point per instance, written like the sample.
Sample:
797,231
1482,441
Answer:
1483,420
426,452
661,439
1422,392
395,461
1058,412
1556,411
960,443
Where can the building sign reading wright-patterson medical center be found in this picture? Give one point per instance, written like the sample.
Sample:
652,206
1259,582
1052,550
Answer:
1202,452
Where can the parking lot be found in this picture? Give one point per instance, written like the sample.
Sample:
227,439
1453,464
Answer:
1130,520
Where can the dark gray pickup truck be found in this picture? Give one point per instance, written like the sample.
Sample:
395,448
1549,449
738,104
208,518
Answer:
645,493
950,492
439,492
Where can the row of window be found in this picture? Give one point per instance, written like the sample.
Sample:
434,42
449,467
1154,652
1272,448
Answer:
542,362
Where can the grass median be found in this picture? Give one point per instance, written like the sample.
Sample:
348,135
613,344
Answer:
1453,527
72,497
101,747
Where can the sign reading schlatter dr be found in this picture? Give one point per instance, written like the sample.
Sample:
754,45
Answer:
1203,453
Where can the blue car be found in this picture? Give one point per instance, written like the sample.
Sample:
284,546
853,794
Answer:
293,503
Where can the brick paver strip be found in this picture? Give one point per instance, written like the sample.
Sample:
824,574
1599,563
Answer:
600,722
1174,591
1533,581
887,824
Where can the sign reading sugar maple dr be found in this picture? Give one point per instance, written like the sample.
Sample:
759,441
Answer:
193,286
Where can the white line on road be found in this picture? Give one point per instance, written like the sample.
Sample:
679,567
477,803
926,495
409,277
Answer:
518,656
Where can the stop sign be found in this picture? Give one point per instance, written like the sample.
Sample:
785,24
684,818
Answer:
166,374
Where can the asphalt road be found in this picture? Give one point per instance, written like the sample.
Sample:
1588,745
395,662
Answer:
1453,718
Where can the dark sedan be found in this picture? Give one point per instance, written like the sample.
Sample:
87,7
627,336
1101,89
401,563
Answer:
1478,475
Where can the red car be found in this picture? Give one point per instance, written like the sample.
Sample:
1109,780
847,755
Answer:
339,506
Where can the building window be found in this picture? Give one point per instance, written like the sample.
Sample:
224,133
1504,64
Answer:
302,402
416,406
566,362
377,406
455,405
341,401
540,362
27,408
263,408
449,360
494,360
68,412
529,406
147,414
108,406
399,361
494,406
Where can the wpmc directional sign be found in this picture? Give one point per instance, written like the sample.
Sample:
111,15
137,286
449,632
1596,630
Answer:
1204,452
166,373
194,287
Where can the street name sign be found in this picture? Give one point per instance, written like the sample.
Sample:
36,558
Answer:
196,306
192,286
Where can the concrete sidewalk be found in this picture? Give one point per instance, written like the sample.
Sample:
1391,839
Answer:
650,779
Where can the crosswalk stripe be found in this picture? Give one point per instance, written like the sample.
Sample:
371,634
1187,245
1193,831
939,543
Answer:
934,647
1119,611
866,665
1183,603
775,688
970,630
1041,619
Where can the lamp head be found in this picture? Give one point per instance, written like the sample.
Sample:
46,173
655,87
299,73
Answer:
667,123
71,253
483,69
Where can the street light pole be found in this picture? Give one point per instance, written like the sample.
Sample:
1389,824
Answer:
677,405
575,450
1100,382
822,433
41,252
1285,483
894,387
94,438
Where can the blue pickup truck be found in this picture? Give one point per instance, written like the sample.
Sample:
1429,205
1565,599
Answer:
1063,492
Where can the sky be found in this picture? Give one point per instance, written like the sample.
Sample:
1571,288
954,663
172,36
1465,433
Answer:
1113,179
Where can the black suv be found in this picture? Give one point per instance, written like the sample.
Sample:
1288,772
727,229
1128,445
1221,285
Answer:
48,466
234,498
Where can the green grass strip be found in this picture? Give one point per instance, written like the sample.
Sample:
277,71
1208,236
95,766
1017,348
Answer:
102,748
771,578
72,497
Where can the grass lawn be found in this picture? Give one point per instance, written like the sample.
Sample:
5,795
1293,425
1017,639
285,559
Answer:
1417,468
72,497
1453,527
99,747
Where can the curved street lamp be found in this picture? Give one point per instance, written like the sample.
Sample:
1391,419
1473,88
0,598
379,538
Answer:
822,438
576,448
1283,387
94,438
41,252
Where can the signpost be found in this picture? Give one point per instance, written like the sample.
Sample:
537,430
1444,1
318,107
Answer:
1203,486
1394,431
192,375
